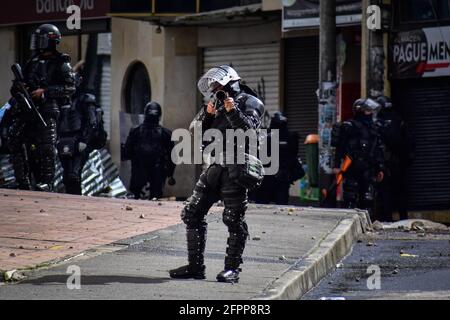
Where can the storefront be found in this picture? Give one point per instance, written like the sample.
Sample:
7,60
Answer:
258,66
301,63
420,73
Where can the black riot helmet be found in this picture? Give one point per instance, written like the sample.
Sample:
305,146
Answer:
365,105
45,38
385,102
153,112
278,121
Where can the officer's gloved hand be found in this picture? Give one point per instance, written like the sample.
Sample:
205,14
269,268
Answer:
82,146
171,181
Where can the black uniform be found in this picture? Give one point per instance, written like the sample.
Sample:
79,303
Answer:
149,148
359,139
218,182
275,188
54,74
77,124
398,154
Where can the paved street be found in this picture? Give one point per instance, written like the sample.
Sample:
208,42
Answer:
38,227
136,268
412,267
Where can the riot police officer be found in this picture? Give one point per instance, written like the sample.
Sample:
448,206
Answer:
239,108
77,124
398,154
358,139
50,80
149,148
275,188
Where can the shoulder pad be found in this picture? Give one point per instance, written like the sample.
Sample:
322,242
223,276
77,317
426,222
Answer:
347,126
253,104
89,98
65,57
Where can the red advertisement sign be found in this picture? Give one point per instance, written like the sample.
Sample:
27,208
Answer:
32,11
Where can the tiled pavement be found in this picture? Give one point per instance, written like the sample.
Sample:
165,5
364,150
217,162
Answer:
42,227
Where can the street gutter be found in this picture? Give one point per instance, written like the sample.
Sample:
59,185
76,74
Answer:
319,261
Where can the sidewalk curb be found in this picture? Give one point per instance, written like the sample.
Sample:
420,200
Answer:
319,261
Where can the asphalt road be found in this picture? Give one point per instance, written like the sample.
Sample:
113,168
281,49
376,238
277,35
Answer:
411,266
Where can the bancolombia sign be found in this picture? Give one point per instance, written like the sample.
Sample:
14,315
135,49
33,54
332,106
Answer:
33,11
421,53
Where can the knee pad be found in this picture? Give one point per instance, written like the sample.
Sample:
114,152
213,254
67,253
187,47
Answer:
192,218
193,214
234,219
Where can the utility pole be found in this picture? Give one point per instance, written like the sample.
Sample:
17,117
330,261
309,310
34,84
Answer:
327,91
374,45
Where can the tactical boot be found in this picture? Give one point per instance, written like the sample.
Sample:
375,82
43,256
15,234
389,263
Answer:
44,187
21,171
196,240
188,272
236,245
230,276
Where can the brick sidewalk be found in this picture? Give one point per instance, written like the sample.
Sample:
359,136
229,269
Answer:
40,227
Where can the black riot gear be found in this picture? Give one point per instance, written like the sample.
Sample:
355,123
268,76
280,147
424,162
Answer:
50,74
275,188
398,155
365,105
149,148
358,139
278,121
220,181
78,123
45,38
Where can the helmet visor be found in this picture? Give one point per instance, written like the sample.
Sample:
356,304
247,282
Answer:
39,42
215,78
371,105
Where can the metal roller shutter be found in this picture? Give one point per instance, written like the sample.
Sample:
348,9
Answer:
105,93
255,64
425,104
300,86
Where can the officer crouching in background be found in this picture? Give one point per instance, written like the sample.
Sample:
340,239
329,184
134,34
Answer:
358,140
149,148
80,131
